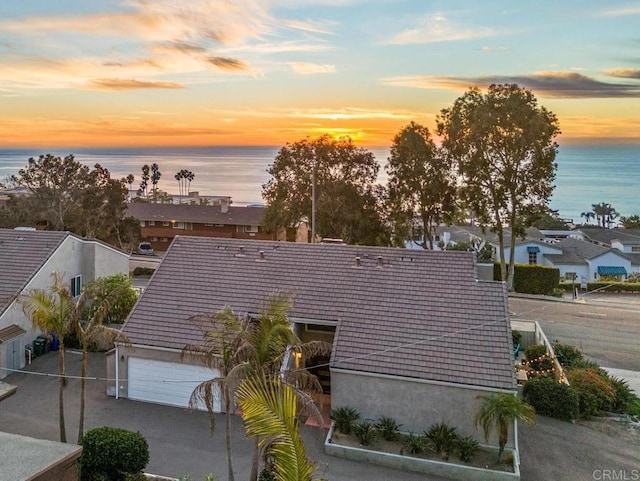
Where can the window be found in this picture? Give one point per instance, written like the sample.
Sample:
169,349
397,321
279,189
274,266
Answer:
153,239
178,225
76,286
251,228
635,248
164,239
533,258
142,223
151,223
165,223
570,276
319,328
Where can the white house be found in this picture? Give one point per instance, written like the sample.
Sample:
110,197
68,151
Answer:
27,260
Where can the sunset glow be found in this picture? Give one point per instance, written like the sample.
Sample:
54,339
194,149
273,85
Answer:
265,72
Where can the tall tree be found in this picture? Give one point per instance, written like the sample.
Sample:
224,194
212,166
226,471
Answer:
223,336
587,216
50,311
504,146
155,178
348,204
92,331
144,180
420,182
630,222
65,194
130,179
497,411
604,214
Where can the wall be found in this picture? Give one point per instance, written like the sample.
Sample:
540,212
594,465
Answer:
608,259
414,404
199,230
522,255
72,258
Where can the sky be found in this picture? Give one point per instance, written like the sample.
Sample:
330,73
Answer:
80,73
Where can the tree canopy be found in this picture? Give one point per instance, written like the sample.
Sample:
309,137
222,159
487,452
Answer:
503,144
420,182
630,222
348,202
65,194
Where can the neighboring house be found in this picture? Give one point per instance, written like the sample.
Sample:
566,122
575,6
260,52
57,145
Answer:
29,459
27,260
161,223
415,335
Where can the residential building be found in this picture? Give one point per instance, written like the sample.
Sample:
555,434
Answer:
415,335
161,223
27,260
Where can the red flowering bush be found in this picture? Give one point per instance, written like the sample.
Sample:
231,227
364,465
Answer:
595,390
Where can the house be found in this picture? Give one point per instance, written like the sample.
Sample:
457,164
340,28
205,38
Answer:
415,335
27,260
161,223
29,459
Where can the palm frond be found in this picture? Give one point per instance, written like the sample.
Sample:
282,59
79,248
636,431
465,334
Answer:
206,393
269,411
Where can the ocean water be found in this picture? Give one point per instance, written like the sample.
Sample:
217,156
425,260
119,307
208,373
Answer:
586,175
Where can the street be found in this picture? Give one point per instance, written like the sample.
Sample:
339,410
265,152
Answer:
605,328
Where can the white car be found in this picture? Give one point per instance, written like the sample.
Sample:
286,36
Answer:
145,248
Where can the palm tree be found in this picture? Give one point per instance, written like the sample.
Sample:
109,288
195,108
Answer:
189,176
144,183
587,216
91,332
50,310
130,179
500,410
223,336
269,410
155,178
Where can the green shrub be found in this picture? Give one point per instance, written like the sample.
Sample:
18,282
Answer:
114,452
388,428
135,477
415,444
143,271
538,360
551,398
516,337
120,305
366,432
532,279
443,437
467,448
568,356
344,418
625,401
595,391
614,286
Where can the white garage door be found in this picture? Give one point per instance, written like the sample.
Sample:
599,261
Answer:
167,382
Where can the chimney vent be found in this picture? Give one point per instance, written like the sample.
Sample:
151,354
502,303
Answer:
358,261
240,252
379,263
261,255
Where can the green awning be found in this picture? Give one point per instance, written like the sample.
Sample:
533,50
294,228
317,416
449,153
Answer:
531,249
612,271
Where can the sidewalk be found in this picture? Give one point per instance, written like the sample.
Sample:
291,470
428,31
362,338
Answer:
632,377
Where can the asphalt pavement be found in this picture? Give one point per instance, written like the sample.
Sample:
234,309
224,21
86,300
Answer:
181,444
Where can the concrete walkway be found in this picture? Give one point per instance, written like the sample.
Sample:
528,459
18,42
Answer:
6,390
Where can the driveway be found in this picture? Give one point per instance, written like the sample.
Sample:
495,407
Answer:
180,442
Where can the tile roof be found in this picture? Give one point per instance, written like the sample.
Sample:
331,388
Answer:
605,236
417,314
210,214
583,249
22,254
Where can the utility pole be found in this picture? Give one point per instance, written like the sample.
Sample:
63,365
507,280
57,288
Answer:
313,201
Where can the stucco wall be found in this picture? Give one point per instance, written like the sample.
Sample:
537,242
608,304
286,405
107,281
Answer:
414,404
608,259
72,258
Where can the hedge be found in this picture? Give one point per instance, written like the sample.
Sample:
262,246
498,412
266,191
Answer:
531,279
551,398
595,392
112,452
604,286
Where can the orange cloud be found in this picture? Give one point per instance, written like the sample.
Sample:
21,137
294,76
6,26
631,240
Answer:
306,68
132,84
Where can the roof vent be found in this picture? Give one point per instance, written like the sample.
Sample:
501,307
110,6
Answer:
240,252
379,262
358,263
260,256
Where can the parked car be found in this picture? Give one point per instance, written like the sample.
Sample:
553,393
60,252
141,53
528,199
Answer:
145,248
